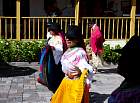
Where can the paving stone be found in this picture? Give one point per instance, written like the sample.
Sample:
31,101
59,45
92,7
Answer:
15,94
46,94
3,100
15,99
30,97
3,95
12,91
4,86
26,89
29,90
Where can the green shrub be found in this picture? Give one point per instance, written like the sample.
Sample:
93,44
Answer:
111,56
107,56
11,51
29,51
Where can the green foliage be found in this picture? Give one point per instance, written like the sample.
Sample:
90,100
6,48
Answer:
11,51
29,51
109,55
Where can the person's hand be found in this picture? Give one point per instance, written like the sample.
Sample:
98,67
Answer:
75,73
78,71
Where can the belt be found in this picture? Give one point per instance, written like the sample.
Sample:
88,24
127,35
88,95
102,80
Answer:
71,76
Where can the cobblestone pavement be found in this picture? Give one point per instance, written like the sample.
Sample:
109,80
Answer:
25,88
104,82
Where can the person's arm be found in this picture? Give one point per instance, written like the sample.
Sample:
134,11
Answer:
58,45
83,63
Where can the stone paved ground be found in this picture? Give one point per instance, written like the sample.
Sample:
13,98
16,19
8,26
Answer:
25,89
104,82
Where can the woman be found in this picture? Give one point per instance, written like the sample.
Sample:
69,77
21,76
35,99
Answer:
50,66
73,88
129,68
96,44
56,42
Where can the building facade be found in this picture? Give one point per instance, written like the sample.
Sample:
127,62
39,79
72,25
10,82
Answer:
28,18
36,7
88,8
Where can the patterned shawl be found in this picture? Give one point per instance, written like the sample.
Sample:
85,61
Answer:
96,39
50,74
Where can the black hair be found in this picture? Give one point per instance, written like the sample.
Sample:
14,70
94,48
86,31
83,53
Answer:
54,27
74,33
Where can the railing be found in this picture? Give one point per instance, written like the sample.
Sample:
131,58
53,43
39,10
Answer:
111,27
36,27
7,27
137,29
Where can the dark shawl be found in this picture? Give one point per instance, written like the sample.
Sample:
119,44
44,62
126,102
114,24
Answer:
50,74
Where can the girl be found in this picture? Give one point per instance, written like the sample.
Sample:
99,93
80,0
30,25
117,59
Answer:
73,88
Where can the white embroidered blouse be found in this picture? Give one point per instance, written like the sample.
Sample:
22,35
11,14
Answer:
56,42
75,57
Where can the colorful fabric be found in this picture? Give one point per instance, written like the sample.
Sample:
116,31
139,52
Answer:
61,34
96,39
50,74
126,93
50,66
86,94
74,90
96,60
75,57
70,91
56,42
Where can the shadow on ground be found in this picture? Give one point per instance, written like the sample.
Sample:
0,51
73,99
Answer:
113,70
98,98
7,70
